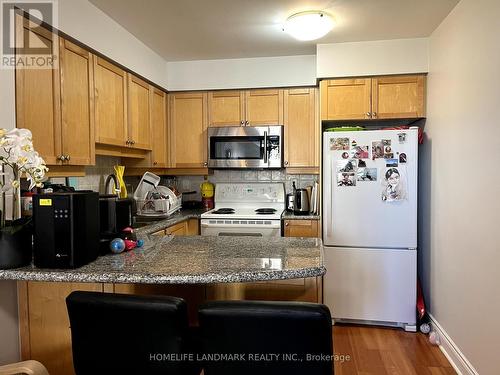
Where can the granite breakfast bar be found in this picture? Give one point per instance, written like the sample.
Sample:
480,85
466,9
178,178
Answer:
196,268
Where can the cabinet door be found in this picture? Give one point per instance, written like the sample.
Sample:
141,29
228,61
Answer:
301,128
77,104
38,94
49,332
159,154
345,99
110,103
188,125
264,107
179,229
301,228
139,113
226,108
398,97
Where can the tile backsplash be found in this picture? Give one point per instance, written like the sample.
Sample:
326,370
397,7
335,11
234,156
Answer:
95,176
192,183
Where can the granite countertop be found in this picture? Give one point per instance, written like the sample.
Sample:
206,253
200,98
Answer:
194,260
179,216
287,215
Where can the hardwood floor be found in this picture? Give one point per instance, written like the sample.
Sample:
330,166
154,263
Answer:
374,350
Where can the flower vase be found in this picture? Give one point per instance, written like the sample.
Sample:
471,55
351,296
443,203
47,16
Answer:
16,244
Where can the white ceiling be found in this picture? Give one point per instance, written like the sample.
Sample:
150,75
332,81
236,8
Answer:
216,29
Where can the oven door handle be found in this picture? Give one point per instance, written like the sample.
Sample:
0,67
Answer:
266,159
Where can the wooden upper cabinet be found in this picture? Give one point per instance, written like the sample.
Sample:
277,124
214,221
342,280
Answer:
301,128
264,107
110,103
188,125
159,154
226,108
398,96
245,108
345,99
38,94
139,116
77,104
374,98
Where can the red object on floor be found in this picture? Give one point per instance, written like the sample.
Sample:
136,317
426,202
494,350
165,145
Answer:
421,310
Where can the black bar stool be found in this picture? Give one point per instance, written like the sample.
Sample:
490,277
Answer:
129,334
266,338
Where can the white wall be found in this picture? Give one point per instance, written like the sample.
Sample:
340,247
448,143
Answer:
85,22
242,73
380,57
460,191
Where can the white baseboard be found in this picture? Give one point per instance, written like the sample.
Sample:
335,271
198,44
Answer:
451,351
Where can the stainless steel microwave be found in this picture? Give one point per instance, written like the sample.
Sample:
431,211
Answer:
245,147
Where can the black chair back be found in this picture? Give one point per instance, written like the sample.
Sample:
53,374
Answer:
129,334
270,338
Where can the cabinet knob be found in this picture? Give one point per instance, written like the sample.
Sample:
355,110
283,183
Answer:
62,158
246,123
155,163
368,114
132,142
286,223
242,122
127,142
68,158
205,164
374,114
286,163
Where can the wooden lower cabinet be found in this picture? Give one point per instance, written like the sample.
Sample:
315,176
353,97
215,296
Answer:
44,323
302,228
188,227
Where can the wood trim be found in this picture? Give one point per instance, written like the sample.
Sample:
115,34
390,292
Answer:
108,288
66,171
303,170
124,152
24,327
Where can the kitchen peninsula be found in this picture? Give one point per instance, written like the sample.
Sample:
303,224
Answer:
196,268
193,260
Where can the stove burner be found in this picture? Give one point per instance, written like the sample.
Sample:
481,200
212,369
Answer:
224,211
265,211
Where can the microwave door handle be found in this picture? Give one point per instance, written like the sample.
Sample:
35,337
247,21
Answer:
265,148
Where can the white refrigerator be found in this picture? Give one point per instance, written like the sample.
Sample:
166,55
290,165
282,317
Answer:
370,226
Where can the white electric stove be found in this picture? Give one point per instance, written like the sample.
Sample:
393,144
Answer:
245,209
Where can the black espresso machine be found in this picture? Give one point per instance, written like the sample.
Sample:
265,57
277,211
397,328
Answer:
66,229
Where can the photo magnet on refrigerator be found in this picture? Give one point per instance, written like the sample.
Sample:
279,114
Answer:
339,144
377,150
360,152
346,179
347,165
389,163
393,185
367,174
402,137
402,158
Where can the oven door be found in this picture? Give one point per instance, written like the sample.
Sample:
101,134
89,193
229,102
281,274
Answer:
245,147
234,230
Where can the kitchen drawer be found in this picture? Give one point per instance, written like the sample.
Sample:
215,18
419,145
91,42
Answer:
301,228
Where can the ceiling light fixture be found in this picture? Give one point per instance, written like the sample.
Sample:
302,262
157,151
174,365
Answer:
309,25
